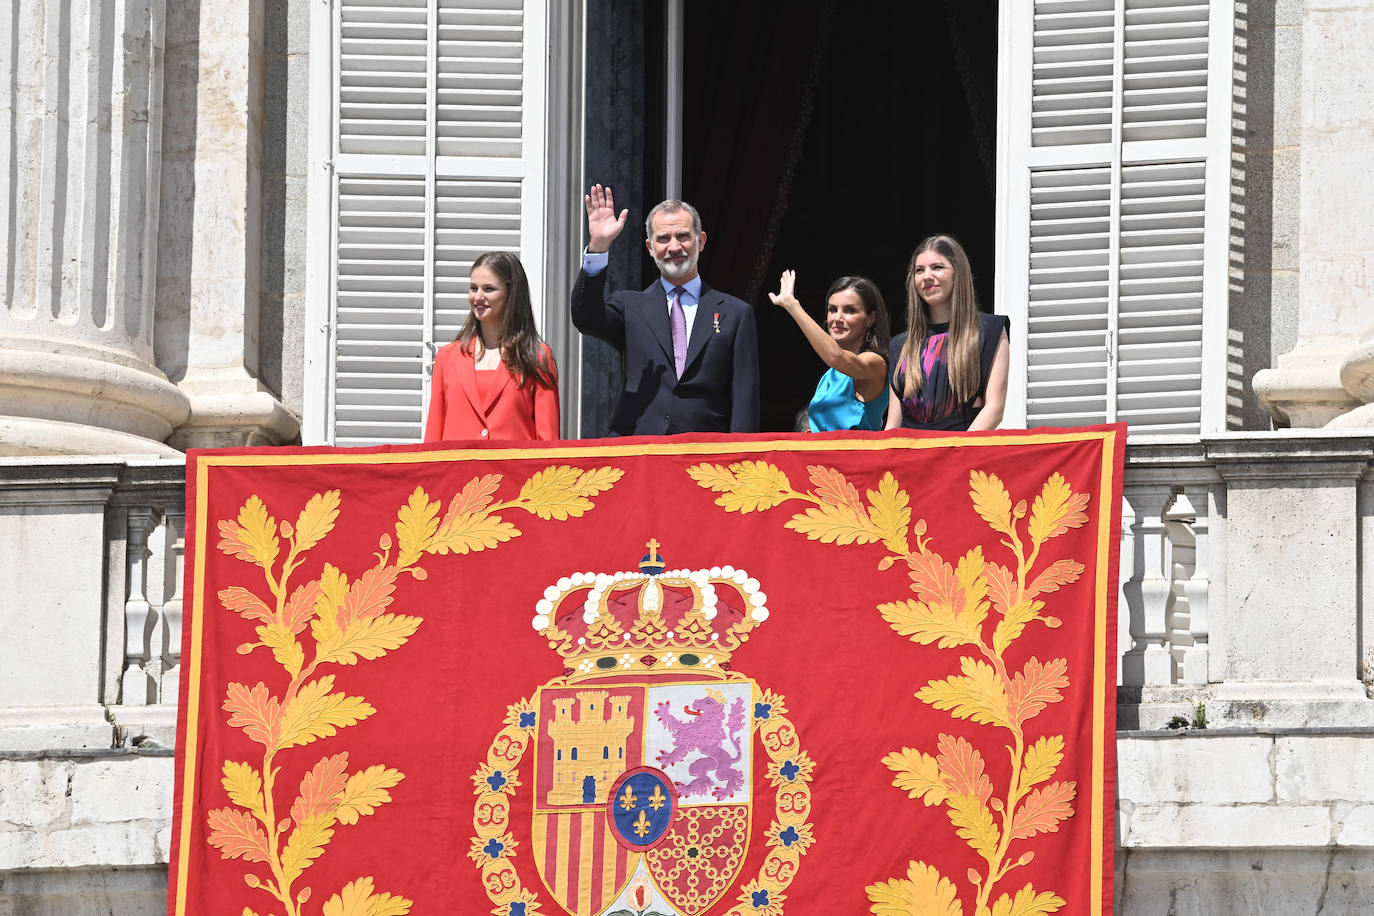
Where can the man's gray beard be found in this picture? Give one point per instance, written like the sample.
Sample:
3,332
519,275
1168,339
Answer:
675,270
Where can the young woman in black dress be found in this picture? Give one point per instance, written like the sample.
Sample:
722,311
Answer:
949,370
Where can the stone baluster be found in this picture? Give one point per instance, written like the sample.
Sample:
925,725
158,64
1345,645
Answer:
157,596
1147,592
79,202
137,687
1126,568
1197,587
171,608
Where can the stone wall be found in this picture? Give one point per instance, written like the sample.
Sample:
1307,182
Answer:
1245,822
85,832
1239,821
1266,107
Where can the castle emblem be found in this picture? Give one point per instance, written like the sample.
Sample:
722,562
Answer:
602,724
644,762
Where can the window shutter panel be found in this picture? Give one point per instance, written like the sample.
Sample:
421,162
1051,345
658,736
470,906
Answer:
437,158
1114,196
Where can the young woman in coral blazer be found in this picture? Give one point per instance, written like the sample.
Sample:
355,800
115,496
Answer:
497,380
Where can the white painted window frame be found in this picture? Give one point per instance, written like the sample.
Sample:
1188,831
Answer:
1016,158
550,173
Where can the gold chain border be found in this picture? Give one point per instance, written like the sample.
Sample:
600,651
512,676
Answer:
791,803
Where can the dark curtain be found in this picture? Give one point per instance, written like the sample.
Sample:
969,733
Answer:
623,104
750,76
899,143
825,137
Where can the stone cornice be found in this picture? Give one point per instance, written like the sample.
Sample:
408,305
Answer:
85,481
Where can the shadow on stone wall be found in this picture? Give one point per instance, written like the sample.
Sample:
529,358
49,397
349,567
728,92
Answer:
285,239
177,200
1262,318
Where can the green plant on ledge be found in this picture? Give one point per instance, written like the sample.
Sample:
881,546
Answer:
1199,719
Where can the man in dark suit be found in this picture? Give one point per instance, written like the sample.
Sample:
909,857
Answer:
689,352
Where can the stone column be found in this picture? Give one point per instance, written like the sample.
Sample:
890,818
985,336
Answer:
80,139
217,305
1330,372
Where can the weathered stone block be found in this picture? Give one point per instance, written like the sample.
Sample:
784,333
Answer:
33,793
1324,768
122,789
1243,826
1284,310
93,846
54,539
1274,531
1336,75
99,892
163,852
1344,230
128,891
1358,827
1214,770
1245,882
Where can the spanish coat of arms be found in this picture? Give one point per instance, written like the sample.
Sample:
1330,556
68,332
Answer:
639,764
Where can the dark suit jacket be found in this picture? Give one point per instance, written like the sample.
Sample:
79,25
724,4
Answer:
719,388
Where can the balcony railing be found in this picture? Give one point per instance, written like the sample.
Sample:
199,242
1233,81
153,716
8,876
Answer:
1224,541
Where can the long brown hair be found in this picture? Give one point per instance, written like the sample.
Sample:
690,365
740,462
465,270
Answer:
878,334
964,341
522,350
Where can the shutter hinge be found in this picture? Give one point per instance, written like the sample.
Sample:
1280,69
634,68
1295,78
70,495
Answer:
328,166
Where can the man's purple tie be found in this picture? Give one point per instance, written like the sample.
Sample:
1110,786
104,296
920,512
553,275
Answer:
678,318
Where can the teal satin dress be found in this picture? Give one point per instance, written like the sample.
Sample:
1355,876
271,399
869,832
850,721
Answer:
835,406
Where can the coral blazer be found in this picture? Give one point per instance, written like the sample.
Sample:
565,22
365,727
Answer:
509,410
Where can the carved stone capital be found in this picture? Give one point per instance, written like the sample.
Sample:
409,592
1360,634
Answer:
229,408
1305,389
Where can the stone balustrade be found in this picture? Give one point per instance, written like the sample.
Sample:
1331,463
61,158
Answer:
1231,547
93,549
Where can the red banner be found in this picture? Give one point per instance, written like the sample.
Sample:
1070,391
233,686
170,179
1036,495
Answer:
696,675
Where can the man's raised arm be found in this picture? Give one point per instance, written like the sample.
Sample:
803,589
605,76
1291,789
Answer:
603,226
591,313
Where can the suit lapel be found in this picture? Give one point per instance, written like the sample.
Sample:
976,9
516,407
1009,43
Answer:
501,379
657,305
467,376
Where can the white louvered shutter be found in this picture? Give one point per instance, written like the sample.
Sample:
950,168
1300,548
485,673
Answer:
1113,213
438,156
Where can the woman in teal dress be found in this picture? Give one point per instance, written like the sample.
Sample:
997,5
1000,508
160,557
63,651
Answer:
853,343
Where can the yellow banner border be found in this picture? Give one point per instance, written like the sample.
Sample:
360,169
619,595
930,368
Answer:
593,448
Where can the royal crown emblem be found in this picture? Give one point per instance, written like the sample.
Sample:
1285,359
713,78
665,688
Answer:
653,620
647,756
